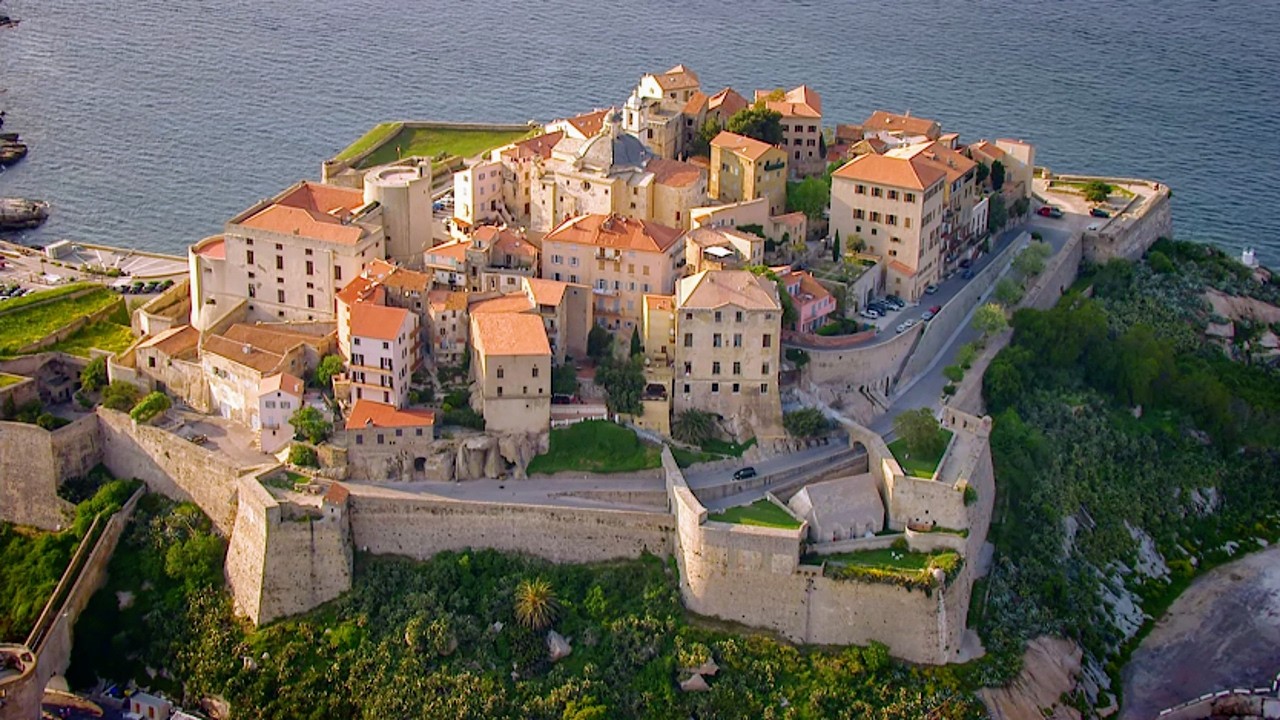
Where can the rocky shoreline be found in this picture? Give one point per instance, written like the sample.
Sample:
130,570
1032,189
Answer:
17,213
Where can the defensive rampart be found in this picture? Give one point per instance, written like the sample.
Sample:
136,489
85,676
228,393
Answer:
285,558
35,461
171,466
1147,218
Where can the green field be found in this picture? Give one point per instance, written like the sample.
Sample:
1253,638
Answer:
7,380
761,513
892,565
597,446
921,466
30,324
426,142
107,336
10,306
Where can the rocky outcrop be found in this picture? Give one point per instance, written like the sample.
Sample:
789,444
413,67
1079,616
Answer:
1050,668
22,214
489,456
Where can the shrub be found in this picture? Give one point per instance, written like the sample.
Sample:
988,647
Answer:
535,604
94,375
1096,191
1160,262
463,417
693,427
921,431
564,380
970,495
303,456
329,366
798,356
900,545
954,373
966,354
808,422
120,395
150,406
948,389
310,424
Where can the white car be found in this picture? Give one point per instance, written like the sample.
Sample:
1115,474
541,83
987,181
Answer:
870,314
901,328
910,323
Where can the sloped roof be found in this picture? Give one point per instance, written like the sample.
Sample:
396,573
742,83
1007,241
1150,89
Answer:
508,334
455,250
677,78
728,101
907,124
241,353
843,506
741,144
539,146
674,173
801,101
952,163
283,382
697,103
711,289
377,321
899,170
447,300
589,123
660,303
174,342
367,413
614,231
546,292
312,210
272,339
513,303
360,288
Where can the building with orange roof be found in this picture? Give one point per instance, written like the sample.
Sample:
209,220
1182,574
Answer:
520,159
654,112
388,444
581,126
279,397
659,334
620,259
511,365
960,194
728,339
499,258
744,168
613,172
893,205
721,248
783,228
287,256
447,326
478,192
904,129
380,346
801,110
814,304
717,108
447,263
235,361
1018,158
565,308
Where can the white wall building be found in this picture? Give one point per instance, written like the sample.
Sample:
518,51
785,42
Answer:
279,397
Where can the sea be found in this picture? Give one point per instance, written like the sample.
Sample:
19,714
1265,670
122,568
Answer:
152,122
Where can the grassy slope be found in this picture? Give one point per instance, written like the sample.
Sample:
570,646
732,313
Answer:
101,335
433,142
761,513
29,325
596,446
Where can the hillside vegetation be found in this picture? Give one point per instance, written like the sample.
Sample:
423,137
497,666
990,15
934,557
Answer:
1131,454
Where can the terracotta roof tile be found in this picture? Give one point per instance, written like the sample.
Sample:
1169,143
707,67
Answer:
283,382
892,171
590,123
677,78
216,249
660,303
447,300
882,121
377,321
272,339
697,103
360,288
741,145
613,231
313,211
539,146
367,413
546,292
513,303
715,288
174,342
337,494
727,102
674,173
506,334
242,353
802,101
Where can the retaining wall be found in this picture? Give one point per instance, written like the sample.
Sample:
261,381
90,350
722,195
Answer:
171,466
1129,234
873,365
35,461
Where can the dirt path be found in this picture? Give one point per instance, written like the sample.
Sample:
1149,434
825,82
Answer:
1222,633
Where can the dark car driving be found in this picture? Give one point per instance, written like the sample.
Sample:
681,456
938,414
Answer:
744,473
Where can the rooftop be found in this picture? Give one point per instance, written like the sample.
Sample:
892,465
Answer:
174,342
508,334
546,292
513,303
614,231
674,173
242,353
367,413
902,170
802,101
360,288
377,321
214,248
539,146
741,145
677,78
311,210
272,339
447,300
727,102
907,124
283,382
711,289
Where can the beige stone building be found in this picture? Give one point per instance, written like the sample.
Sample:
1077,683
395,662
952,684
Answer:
519,162
286,257
893,204
386,443
717,108
744,168
565,309
801,110
621,259
655,110
478,195
612,172
1019,160
778,228
403,191
728,348
236,361
498,259
581,126
959,195
721,248
511,365
659,335
380,347
447,325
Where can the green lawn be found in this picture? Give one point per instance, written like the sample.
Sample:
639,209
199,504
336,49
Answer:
31,324
285,480
7,380
597,446
921,466
761,513
101,335
912,569
10,306
1077,186
722,447
427,142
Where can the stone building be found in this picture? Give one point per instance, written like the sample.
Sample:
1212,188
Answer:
893,205
620,259
403,191
286,256
519,162
728,331
717,108
896,130
840,509
387,443
380,347
565,309
721,248
801,110
478,193
659,334
655,110
447,325
511,364
279,396
744,168
236,362
498,259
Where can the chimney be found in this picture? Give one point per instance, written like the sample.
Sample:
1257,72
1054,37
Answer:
246,348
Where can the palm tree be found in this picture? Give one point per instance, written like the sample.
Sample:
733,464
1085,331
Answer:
693,427
536,603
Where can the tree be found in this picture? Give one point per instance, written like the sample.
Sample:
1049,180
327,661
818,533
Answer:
997,213
1030,262
757,122
599,343
693,427
989,320
808,422
1096,191
789,312
94,374
702,142
920,430
636,347
966,355
120,395
303,456
983,172
329,366
1008,292
997,175
623,383
810,196
835,247
536,605
564,380
310,424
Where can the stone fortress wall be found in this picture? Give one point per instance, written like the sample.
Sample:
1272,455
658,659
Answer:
35,461
1146,218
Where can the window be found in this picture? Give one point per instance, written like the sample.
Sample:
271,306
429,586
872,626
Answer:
311,301
399,432
280,295
248,257
686,388
360,439
736,388
909,197
891,219
337,272
279,262
418,432
499,391
715,368
737,339
382,439
875,217
877,192
813,128
764,368
279,246
253,292
501,373
717,316
716,340
535,372
311,267
688,316
768,340
715,387
386,346
737,316
573,261
893,194
860,189
906,222
308,251
737,368
557,259
764,388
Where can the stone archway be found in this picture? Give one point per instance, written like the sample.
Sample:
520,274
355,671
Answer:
419,464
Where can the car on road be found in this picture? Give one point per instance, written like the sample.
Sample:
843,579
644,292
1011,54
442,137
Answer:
1049,211
927,316
1099,212
870,314
902,327
967,274
935,309
930,289
911,323
744,473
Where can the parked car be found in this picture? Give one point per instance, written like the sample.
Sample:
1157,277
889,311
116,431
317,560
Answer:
1099,212
927,316
910,323
896,301
744,473
930,289
935,309
902,327
967,274
1049,211
870,314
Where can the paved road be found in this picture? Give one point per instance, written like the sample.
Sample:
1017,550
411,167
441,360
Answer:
537,491
704,478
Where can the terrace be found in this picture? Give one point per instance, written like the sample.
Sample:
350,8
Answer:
761,513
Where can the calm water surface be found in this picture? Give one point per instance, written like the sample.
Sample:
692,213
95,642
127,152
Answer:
152,121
